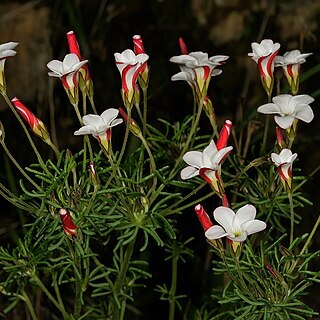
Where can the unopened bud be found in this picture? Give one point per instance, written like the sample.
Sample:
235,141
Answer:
69,228
224,135
93,174
133,126
183,47
203,217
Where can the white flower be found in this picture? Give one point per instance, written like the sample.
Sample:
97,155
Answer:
207,164
197,69
264,49
291,57
6,50
70,63
235,226
284,162
98,125
289,108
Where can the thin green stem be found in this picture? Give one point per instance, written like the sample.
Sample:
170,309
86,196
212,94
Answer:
145,110
40,160
93,105
265,134
29,304
22,171
76,108
291,217
174,275
54,148
50,297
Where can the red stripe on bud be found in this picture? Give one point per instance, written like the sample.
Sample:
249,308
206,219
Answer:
69,228
224,135
183,47
203,217
25,112
225,202
138,44
73,44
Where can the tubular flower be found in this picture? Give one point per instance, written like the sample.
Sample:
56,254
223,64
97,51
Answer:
203,217
129,66
144,72
284,161
69,228
197,68
289,108
291,63
224,135
6,51
264,54
235,226
36,125
85,80
100,126
207,164
67,71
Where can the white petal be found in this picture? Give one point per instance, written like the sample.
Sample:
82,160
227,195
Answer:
109,115
69,61
142,57
89,129
276,159
184,76
302,98
284,122
208,154
92,119
224,216
115,122
306,114
285,154
216,72
282,100
240,238
215,232
189,172
246,213
193,158
269,108
221,155
55,66
253,226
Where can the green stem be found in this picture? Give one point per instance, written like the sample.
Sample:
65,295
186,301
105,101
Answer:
291,217
22,171
172,303
121,277
265,134
50,296
145,110
76,108
54,148
77,299
6,98
29,304
93,105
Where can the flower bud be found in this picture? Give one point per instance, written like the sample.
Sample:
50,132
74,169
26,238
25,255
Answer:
133,126
36,125
183,47
280,140
93,174
69,228
203,217
224,135
144,72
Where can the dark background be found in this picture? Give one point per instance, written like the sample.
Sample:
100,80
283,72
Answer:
104,27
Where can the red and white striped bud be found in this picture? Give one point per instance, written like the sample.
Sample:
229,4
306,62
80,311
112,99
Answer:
224,135
36,125
280,139
85,80
94,177
203,217
69,228
144,73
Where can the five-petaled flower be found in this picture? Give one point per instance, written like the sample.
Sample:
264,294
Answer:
289,108
197,69
6,51
235,226
36,125
69,228
291,63
284,161
85,81
129,64
207,164
67,71
100,126
264,54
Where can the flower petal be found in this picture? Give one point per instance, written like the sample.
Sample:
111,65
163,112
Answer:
302,98
189,172
109,115
305,114
246,213
224,216
55,66
89,129
253,226
115,122
284,122
269,108
92,119
193,158
215,232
